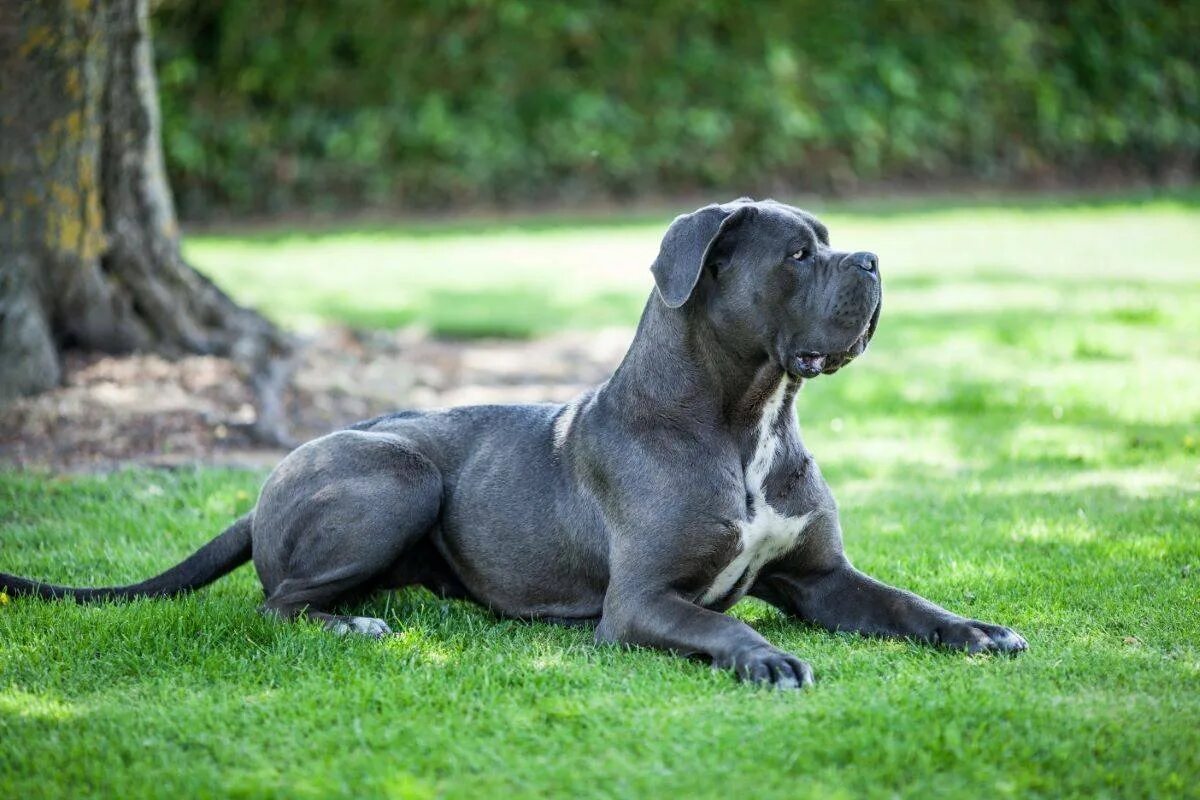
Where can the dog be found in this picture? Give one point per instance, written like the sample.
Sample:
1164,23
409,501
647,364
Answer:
646,507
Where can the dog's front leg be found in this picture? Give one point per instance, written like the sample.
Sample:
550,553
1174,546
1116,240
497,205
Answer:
817,584
844,599
668,621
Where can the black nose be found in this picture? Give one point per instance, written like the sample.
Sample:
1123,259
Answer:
867,262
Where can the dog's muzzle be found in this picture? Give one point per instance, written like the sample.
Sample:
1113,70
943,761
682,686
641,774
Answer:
810,364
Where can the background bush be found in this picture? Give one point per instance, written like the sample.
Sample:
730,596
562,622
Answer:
272,105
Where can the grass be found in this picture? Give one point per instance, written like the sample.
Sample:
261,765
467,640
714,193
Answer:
1022,444
531,276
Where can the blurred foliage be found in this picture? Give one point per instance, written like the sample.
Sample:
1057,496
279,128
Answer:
270,105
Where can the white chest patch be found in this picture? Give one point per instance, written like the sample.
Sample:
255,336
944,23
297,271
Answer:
768,534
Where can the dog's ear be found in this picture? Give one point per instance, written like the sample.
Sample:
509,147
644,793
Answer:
686,248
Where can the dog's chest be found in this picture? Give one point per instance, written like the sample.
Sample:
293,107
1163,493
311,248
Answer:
767,534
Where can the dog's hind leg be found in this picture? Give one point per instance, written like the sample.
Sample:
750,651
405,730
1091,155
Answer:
334,516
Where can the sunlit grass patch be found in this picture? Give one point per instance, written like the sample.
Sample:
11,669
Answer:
940,259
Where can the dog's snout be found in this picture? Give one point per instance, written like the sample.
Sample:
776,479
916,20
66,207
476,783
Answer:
867,262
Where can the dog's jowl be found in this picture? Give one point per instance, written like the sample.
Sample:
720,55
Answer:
647,506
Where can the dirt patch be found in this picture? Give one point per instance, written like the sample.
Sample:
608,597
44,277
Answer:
115,411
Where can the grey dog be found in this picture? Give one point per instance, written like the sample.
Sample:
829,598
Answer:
647,506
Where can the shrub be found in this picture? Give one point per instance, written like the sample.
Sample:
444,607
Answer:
271,105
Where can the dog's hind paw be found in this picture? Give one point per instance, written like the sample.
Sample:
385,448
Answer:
363,626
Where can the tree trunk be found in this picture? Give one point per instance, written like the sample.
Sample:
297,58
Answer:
89,244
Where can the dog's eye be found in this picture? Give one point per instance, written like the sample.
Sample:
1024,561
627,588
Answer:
799,255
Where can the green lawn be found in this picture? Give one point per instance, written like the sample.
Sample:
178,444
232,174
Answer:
1022,444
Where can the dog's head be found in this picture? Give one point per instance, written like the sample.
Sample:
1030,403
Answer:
765,277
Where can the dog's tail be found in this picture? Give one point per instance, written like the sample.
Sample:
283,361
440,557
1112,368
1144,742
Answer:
229,550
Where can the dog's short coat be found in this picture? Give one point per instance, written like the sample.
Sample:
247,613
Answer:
647,506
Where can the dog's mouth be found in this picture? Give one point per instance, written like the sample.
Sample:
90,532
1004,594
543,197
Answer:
810,363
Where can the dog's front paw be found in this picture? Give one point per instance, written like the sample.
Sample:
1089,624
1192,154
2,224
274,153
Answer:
978,637
770,667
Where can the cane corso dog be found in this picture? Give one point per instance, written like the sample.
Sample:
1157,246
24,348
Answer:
646,506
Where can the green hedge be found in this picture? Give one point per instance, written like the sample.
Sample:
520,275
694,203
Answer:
271,105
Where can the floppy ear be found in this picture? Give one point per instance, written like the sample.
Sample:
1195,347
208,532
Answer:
686,247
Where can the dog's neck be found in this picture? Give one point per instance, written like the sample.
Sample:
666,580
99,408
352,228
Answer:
677,364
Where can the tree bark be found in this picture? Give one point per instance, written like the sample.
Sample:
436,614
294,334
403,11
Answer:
89,243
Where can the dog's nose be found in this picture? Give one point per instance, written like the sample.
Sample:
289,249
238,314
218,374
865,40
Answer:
867,262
